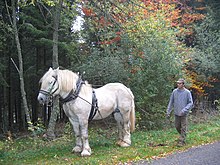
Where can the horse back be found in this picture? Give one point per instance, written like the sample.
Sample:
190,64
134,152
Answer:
115,89
112,94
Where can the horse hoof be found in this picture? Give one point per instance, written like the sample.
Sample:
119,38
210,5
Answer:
85,153
124,144
77,149
119,142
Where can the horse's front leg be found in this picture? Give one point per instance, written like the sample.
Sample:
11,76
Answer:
86,150
76,129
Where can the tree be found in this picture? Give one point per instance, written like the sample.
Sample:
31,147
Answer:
20,69
55,64
35,37
140,41
204,64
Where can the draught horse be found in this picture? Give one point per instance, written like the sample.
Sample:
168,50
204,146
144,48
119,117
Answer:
82,103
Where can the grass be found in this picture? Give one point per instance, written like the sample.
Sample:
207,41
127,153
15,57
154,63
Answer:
146,145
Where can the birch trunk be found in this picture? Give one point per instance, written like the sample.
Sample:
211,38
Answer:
20,69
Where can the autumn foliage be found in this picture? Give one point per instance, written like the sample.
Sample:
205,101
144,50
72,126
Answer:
177,12
179,15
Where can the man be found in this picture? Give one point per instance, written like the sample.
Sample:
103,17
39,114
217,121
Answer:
181,101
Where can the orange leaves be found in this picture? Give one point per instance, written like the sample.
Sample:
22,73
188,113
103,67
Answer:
88,12
103,22
190,18
111,41
135,69
198,82
177,15
198,89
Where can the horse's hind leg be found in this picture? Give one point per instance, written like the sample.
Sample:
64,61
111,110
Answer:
123,128
119,120
126,132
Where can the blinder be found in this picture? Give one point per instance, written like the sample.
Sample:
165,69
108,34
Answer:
48,93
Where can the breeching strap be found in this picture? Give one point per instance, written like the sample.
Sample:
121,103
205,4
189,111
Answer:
94,107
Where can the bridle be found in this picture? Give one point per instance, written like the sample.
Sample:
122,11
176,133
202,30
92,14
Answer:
49,92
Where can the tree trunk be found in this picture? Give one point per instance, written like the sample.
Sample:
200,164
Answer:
20,70
56,21
55,110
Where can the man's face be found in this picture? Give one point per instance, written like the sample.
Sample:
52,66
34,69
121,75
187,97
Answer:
180,85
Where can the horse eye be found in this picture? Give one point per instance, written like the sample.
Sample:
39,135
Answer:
51,82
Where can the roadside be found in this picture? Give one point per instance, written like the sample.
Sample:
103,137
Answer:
201,155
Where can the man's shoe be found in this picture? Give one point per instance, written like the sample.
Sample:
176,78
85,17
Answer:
178,140
181,143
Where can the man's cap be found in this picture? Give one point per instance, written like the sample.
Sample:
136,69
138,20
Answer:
181,80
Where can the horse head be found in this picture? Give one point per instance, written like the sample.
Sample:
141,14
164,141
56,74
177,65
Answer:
49,86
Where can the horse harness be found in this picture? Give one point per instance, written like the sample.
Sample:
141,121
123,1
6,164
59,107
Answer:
74,94
48,93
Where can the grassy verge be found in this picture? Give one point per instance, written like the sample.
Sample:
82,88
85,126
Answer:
146,145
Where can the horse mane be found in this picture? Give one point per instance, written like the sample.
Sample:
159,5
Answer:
68,79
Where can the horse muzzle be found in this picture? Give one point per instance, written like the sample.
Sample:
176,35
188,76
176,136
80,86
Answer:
43,99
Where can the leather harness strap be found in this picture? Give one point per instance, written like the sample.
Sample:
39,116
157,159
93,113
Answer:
73,95
94,107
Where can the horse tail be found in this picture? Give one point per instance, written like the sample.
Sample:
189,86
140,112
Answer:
132,116
132,112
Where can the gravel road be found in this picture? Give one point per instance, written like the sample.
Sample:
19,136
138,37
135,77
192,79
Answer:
202,155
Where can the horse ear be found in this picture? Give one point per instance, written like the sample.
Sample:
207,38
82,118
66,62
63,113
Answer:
56,70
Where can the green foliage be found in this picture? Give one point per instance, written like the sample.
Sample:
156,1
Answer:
206,58
156,59
104,68
208,39
147,58
151,117
37,129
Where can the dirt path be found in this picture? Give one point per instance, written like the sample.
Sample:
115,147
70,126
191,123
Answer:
202,155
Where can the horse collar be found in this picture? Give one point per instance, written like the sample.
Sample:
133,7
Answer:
73,95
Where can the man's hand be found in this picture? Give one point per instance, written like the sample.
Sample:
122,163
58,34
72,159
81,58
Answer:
182,113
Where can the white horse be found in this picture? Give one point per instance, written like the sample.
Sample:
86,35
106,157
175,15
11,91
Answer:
82,103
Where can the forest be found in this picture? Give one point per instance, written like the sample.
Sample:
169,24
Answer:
145,44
